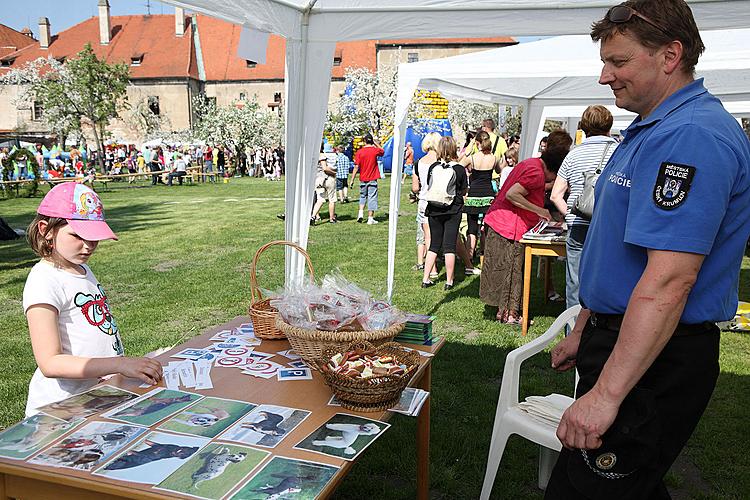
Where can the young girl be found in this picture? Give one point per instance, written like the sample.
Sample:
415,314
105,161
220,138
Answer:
73,334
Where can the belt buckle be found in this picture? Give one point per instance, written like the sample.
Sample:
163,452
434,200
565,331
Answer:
593,319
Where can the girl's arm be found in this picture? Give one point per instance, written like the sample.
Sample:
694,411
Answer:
45,341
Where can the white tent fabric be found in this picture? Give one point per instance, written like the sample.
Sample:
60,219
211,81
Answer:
311,27
557,71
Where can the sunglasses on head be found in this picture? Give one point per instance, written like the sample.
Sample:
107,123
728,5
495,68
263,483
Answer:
620,14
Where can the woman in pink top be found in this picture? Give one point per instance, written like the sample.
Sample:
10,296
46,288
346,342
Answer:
518,206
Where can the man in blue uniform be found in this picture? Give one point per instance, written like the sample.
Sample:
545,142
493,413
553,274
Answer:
660,265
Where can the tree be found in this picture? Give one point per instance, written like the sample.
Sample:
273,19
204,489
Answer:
84,89
467,115
144,121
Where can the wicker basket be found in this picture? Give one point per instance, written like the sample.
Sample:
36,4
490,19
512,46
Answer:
261,312
374,393
311,344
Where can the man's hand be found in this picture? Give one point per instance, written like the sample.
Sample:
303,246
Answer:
564,353
588,418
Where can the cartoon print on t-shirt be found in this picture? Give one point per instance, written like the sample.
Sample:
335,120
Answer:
96,311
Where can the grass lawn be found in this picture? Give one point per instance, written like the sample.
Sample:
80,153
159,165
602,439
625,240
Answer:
182,265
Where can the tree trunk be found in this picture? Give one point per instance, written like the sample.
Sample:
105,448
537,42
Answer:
99,150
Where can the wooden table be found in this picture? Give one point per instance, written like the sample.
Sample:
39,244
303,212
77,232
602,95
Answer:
544,249
19,479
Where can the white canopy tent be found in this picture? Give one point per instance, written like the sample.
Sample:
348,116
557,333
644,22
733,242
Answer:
555,72
312,27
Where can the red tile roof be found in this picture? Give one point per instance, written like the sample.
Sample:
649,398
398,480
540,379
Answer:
12,40
164,54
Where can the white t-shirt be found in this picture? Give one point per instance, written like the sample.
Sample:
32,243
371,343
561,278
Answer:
85,324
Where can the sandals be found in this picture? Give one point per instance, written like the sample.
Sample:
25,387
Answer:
428,284
555,297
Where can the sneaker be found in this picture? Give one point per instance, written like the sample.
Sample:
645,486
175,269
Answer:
555,297
372,221
417,267
473,271
359,219
346,200
428,284
312,221
448,286
281,216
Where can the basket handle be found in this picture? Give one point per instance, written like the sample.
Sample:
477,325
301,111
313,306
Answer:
254,290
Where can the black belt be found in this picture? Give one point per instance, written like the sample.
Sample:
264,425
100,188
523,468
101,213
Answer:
614,321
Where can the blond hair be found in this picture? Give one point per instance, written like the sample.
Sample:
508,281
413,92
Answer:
430,142
596,120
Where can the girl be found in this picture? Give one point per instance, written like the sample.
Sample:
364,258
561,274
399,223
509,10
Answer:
73,334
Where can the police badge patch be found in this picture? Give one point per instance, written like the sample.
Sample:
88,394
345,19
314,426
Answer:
672,185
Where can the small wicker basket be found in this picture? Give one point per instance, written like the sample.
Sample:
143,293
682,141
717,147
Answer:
262,314
311,344
375,393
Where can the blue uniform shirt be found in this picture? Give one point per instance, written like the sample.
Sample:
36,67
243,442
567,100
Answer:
679,181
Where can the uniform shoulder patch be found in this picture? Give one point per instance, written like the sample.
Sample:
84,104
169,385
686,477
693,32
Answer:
672,185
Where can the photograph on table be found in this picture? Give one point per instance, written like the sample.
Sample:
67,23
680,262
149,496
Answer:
343,436
214,471
89,446
265,426
284,477
153,406
153,458
88,403
208,417
32,434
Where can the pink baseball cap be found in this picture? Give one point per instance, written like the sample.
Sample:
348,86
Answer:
81,207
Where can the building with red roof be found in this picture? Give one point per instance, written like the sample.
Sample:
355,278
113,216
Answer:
174,58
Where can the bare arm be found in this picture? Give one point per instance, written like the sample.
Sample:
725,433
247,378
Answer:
415,182
653,312
517,196
565,352
45,342
558,192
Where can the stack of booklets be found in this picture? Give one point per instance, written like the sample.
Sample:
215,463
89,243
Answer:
546,231
418,330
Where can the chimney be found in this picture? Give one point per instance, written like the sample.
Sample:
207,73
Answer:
105,27
179,21
44,36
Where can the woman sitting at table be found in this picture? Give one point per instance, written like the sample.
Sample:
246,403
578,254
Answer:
517,208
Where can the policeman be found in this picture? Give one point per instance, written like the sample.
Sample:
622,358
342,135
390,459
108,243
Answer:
660,265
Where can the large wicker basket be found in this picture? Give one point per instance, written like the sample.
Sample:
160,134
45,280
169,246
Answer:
262,314
311,344
374,393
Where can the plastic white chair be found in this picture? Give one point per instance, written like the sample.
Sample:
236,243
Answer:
510,419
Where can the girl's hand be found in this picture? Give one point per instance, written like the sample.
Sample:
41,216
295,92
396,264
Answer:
145,369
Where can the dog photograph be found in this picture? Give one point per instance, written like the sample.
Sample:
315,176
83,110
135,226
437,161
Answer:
153,458
31,435
265,426
89,446
288,478
214,471
88,403
153,406
343,436
208,417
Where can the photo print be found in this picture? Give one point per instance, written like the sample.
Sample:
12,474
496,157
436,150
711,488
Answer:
153,458
265,426
88,403
153,406
343,436
32,434
287,478
214,471
208,417
89,446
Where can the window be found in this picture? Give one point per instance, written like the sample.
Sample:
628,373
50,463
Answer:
153,104
337,61
277,97
136,60
6,62
37,111
250,64
412,57
211,101
242,96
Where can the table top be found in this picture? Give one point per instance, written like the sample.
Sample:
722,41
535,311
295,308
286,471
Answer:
311,395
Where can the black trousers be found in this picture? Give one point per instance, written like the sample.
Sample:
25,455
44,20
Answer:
443,232
678,386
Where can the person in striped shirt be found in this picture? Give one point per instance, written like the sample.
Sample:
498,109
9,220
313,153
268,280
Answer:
342,174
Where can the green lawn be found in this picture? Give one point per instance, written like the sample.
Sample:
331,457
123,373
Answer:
181,266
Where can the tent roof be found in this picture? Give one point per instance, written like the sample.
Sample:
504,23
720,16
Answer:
337,20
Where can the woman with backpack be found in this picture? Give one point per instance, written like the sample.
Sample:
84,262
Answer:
446,187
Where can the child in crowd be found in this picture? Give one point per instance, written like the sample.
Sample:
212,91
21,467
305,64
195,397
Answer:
74,337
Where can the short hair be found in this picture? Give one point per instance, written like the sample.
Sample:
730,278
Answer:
558,146
489,123
430,142
369,139
447,149
484,142
674,16
37,240
596,120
